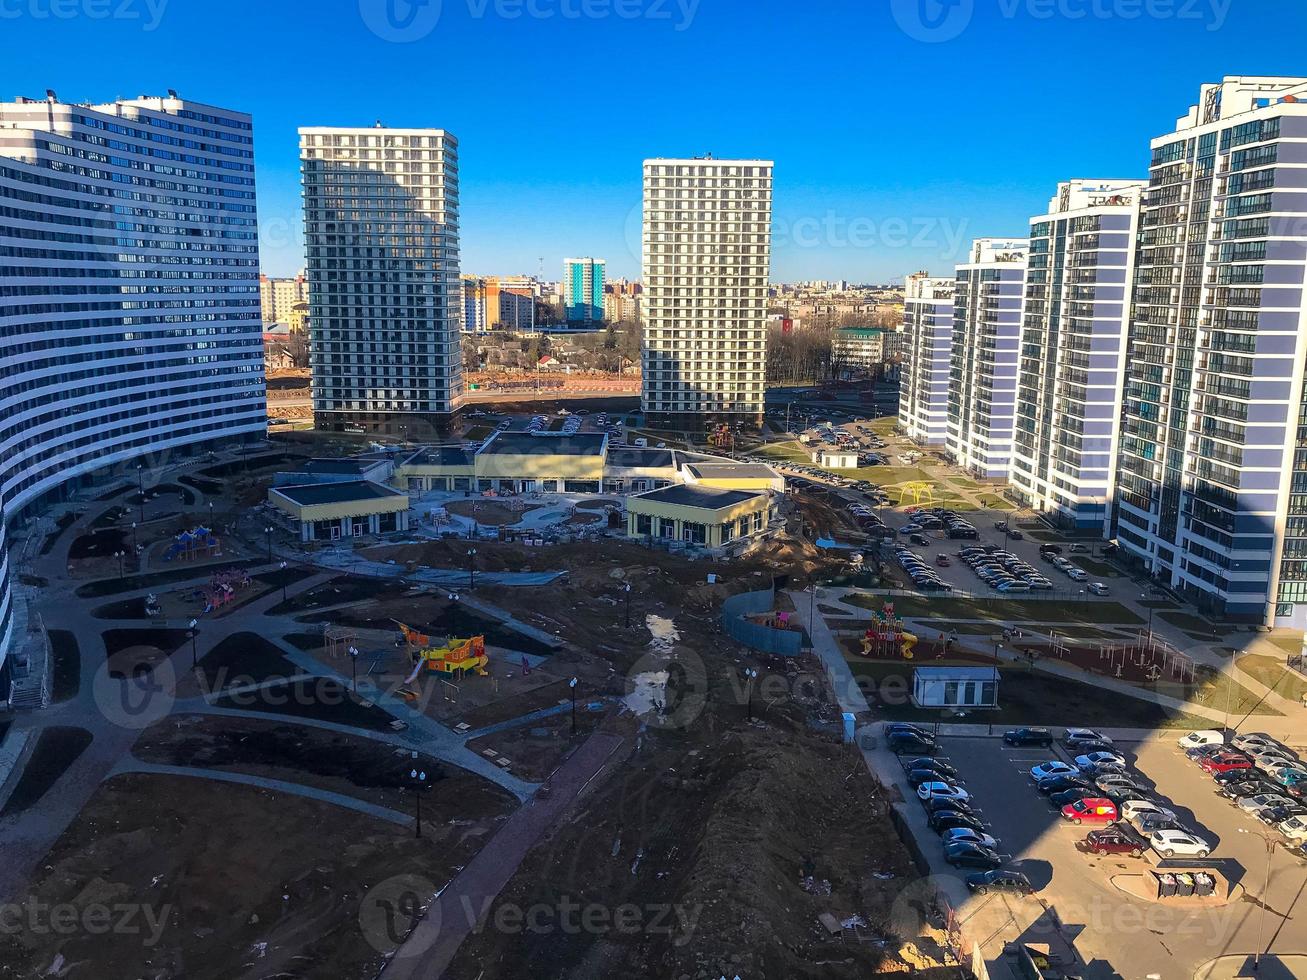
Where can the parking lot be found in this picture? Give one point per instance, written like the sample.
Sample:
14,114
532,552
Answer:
1116,933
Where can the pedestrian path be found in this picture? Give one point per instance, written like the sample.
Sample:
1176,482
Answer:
347,561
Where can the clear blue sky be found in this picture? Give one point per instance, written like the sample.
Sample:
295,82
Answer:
898,127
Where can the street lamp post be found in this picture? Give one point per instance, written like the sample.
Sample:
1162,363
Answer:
749,674
572,684
136,548
1269,843
471,568
1151,610
626,590
120,555
419,778
268,531
210,515
195,632
354,669
140,494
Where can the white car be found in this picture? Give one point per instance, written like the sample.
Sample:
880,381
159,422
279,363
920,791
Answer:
1269,759
1097,588
1196,740
966,835
1046,769
1295,828
1254,742
1263,801
1085,735
1169,843
1087,762
942,791
1131,809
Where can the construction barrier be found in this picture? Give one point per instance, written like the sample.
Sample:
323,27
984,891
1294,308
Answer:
758,636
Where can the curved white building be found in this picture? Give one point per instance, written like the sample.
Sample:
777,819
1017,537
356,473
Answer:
129,294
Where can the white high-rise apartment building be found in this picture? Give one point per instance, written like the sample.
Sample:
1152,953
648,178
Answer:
381,236
706,261
1073,343
926,349
1212,478
279,297
983,362
129,295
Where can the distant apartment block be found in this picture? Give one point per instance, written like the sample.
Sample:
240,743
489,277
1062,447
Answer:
622,302
706,261
278,298
130,325
488,305
983,360
583,291
858,348
381,236
1212,480
473,290
1073,343
926,354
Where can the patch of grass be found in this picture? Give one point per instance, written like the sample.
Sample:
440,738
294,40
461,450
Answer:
115,586
66,676
1096,567
1025,697
1195,626
1290,641
1001,610
1274,674
56,749
1219,691
994,502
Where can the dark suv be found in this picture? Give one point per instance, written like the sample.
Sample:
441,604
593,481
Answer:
1116,839
1029,736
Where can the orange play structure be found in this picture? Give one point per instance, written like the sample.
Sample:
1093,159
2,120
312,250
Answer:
887,635
454,657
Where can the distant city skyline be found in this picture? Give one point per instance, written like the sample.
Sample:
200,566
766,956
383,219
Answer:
906,155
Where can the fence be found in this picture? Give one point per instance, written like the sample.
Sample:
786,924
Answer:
758,636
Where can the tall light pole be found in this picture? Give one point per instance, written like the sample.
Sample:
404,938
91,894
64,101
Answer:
283,581
140,494
626,589
120,555
1144,597
419,779
135,547
1269,842
572,685
749,674
354,669
471,568
268,531
195,632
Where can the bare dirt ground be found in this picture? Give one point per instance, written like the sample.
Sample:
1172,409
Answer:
490,511
238,881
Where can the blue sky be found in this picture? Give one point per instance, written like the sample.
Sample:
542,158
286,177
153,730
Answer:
900,128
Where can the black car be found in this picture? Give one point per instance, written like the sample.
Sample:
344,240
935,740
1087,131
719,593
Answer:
937,803
1251,787
950,819
1058,784
901,743
1050,549
1072,795
935,765
891,727
1000,881
1232,776
1029,736
965,854
1278,814
918,776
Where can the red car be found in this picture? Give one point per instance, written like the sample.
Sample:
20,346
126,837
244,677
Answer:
1225,762
1094,809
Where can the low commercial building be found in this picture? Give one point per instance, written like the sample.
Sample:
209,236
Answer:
728,475
955,687
698,516
352,509
835,459
526,463
858,348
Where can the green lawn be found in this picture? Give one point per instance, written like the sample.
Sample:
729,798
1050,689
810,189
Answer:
1002,610
1220,691
1027,698
995,502
1196,626
1274,674
1096,567
1290,641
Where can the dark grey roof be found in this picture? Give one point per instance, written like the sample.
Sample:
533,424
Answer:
732,471
442,456
341,465
709,498
634,456
338,493
544,444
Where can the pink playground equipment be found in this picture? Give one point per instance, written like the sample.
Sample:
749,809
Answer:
199,542
222,588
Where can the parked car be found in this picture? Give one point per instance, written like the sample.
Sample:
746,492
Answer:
918,776
1254,740
1029,736
948,819
999,881
946,771
1098,588
940,803
1092,809
1169,843
971,836
1196,740
1117,839
1074,737
1049,549
1295,828
941,790
1144,808
1225,762
1071,795
1060,784
1087,763
1045,770
967,855
1263,801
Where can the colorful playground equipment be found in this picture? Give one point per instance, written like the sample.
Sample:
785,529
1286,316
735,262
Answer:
887,636
222,588
452,658
199,542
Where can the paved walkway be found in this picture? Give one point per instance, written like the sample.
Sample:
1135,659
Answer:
276,785
454,912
